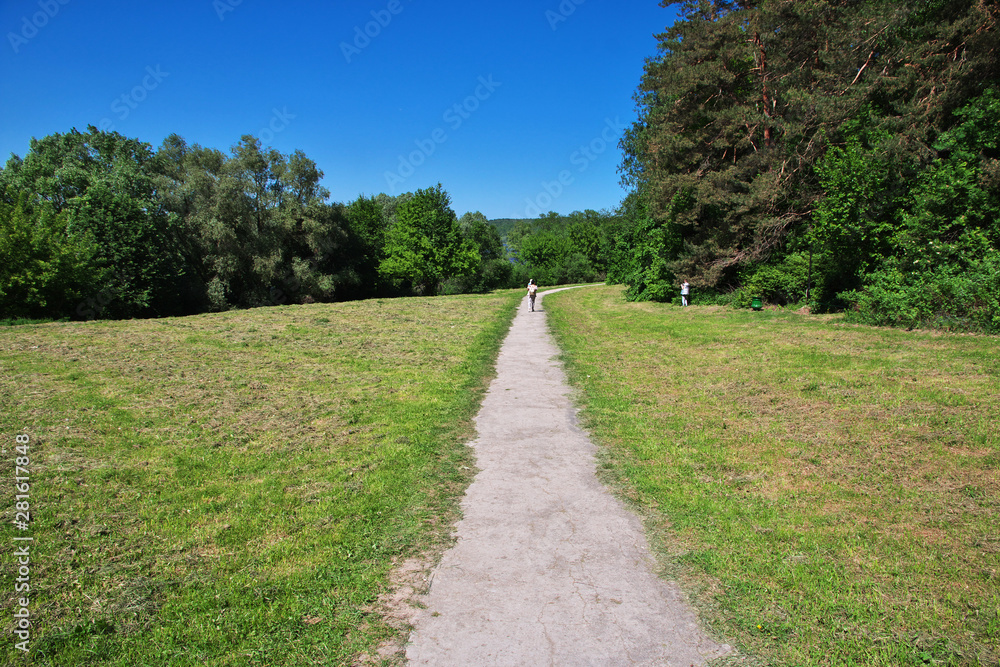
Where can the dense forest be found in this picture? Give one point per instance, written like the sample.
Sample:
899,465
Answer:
97,225
840,154
844,150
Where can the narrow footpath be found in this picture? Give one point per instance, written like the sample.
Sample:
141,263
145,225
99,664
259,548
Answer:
549,568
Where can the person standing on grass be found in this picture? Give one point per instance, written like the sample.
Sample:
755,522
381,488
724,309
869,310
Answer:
685,293
532,290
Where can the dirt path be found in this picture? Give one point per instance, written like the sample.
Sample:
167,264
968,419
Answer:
549,569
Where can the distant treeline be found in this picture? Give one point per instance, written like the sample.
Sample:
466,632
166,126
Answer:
847,149
97,225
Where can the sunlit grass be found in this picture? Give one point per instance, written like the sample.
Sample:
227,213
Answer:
829,493
233,489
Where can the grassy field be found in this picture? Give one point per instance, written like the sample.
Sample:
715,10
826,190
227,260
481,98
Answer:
233,489
828,494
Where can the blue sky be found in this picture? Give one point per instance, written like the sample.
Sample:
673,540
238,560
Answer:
516,107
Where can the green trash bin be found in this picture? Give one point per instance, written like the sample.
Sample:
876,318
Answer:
757,303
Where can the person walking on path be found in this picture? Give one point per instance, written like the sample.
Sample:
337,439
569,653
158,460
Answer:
548,568
685,293
532,291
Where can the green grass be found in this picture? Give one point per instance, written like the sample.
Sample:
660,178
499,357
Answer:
234,489
20,321
828,494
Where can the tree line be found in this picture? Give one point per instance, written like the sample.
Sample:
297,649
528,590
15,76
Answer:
848,150
97,225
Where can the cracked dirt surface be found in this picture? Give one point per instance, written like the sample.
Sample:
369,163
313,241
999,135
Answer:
548,568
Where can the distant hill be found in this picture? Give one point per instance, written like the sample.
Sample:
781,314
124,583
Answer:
556,223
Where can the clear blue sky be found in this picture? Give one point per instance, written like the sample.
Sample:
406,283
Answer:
506,104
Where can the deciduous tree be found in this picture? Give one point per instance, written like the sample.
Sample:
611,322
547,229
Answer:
425,246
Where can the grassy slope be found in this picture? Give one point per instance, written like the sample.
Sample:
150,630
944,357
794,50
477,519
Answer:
233,489
828,493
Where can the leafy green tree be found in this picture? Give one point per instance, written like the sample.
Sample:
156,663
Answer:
366,224
550,257
257,229
545,249
944,269
557,249
47,269
477,229
955,212
517,234
587,234
855,221
494,269
745,100
101,185
425,246
645,249
390,205
187,183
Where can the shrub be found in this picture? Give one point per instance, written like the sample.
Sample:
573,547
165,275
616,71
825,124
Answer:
946,297
783,284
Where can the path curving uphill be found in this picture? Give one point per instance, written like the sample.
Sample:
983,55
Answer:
548,568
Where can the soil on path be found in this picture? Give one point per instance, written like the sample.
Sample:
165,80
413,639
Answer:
548,568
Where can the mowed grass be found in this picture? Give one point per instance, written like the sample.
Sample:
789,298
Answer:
234,489
829,494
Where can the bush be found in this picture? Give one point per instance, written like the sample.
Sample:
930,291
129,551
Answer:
783,284
947,297
492,274
496,273
573,268
653,282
